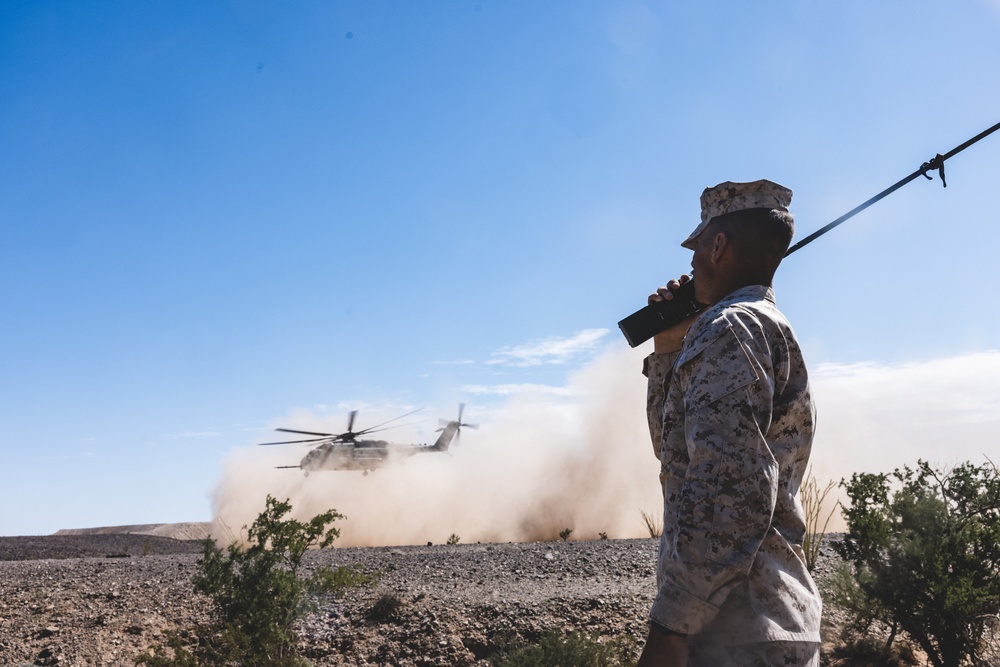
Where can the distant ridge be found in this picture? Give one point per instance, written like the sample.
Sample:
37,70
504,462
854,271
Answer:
177,531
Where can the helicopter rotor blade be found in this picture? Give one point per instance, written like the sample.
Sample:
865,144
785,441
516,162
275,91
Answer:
292,430
291,442
378,426
387,428
350,421
461,424
458,431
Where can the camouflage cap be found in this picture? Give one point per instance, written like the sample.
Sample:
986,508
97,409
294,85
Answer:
728,197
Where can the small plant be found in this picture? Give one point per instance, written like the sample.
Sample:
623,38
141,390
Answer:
603,536
813,498
573,650
454,539
870,652
385,608
565,533
653,525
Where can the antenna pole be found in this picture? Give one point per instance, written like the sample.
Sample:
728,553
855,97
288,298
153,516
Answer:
937,162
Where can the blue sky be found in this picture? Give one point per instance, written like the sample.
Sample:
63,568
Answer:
215,217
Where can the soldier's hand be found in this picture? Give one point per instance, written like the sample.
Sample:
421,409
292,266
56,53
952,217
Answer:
664,651
670,340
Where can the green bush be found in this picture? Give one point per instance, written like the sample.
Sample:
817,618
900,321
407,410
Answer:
926,556
258,592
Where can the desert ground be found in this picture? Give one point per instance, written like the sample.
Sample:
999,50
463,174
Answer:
103,599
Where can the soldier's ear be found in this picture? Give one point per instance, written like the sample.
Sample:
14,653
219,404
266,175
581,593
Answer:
719,244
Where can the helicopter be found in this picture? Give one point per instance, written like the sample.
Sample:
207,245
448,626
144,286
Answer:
348,451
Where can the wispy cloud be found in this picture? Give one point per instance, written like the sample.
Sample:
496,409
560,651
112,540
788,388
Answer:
555,350
515,389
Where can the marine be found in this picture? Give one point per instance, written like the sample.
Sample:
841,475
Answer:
731,419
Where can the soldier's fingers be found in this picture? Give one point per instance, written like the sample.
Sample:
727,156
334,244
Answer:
666,293
661,294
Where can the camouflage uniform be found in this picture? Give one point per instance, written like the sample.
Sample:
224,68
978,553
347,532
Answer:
731,419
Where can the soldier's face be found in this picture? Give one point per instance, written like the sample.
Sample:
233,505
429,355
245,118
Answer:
702,266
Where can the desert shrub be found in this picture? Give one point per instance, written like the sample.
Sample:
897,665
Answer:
924,548
653,525
454,539
865,616
872,652
385,608
565,533
813,497
573,650
258,592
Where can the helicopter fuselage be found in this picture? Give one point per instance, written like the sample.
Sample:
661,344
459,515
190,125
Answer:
346,451
368,455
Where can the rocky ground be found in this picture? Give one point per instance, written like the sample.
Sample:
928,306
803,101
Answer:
103,599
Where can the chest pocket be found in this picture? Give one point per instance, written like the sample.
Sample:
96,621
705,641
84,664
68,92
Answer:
724,367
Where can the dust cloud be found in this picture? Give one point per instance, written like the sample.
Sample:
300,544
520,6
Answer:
576,458
579,457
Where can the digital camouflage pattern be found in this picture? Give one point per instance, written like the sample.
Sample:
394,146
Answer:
729,197
731,420
768,654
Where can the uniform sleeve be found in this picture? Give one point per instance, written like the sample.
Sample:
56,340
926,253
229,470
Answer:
729,490
656,368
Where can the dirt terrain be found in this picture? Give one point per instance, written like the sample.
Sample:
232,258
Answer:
103,599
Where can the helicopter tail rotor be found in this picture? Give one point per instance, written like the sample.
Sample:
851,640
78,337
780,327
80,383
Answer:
458,423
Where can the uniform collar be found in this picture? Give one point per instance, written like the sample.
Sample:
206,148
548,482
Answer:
747,293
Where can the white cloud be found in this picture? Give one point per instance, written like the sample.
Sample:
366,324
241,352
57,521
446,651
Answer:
514,389
554,350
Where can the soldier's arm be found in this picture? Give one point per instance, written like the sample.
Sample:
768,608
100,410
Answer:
657,366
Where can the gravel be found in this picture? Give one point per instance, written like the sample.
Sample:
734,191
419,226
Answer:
104,599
